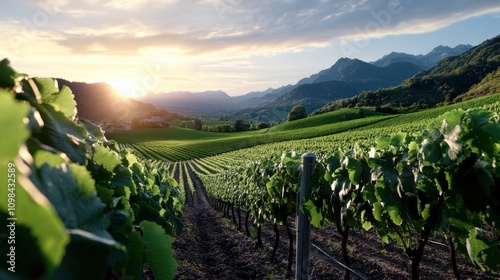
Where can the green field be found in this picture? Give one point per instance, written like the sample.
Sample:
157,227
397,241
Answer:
338,129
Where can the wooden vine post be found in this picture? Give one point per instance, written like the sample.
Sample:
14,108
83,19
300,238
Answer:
303,224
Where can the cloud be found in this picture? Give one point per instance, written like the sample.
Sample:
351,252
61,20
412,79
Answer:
121,27
134,4
224,36
256,27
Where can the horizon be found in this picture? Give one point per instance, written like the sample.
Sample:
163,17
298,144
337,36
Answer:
230,45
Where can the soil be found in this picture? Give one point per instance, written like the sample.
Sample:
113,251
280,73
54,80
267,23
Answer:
212,247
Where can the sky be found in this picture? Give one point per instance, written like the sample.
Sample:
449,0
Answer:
237,46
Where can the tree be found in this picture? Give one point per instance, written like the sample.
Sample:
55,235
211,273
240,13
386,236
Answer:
183,124
238,125
197,124
297,112
360,113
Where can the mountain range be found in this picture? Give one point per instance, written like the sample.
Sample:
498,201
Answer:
474,73
424,61
345,78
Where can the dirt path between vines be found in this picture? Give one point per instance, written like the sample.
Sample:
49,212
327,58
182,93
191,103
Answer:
211,247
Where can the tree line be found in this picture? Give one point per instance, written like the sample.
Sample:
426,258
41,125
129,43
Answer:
237,126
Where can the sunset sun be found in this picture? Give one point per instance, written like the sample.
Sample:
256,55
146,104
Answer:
124,87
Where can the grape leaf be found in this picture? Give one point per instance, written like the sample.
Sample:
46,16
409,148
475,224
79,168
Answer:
383,142
448,121
474,247
159,252
11,122
39,227
70,188
108,159
61,133
63,100
355,169
398,140
313,214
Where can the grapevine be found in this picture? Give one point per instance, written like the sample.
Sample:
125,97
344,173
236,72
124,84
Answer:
87,208
408,187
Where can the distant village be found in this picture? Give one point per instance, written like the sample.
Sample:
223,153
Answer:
152,122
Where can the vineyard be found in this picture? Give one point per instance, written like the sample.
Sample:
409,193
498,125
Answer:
409,187
403,181
389,189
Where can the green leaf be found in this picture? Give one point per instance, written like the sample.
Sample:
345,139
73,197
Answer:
448,121
108,159
62,134
431,151
12,116
131,159
461,224
105,194
355,170
377,211
159,252
71,189
428,187
386,195
123,177
413,148
90,238
395,215
383,142
491,257
366,223
135,252
398,140
93,130
406,179
63,100
481,133
45,157
453,145
375,162
427,211
474,247
40,230
312,212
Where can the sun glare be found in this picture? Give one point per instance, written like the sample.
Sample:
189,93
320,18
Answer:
123,87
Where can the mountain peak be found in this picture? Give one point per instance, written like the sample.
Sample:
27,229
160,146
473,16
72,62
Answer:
425,61
344,62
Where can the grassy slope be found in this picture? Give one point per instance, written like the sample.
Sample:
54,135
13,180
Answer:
183,144
328,118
